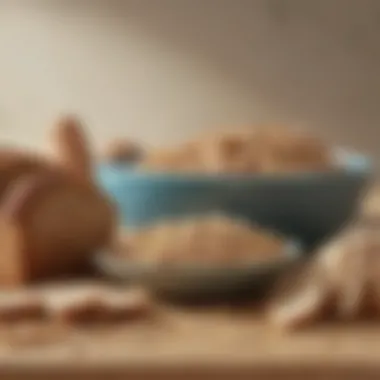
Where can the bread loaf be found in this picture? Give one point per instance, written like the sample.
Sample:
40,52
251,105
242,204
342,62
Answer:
52,215
60,224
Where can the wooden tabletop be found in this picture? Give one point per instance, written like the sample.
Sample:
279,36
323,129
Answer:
184,344
188,344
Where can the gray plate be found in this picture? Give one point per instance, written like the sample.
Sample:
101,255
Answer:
196,281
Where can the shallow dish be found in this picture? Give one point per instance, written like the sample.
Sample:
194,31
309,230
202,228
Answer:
310,206
197,282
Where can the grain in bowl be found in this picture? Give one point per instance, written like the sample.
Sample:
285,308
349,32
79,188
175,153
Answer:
212,239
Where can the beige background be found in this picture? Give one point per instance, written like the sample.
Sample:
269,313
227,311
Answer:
161,69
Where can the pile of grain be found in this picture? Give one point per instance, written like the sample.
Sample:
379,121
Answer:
207,239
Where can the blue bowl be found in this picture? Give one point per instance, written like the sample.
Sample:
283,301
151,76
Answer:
310,206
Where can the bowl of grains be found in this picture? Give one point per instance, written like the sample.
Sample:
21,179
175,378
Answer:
201,257
282,179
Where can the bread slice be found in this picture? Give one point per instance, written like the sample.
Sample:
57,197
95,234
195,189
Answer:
74,306
20,306
346,261
93,304
301,298
126,304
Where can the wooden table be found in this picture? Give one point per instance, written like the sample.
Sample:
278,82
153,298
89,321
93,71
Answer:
192,344
175,344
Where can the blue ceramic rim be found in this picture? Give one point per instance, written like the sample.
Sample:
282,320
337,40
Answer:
349,164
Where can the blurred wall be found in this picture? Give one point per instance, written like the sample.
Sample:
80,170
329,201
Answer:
157,70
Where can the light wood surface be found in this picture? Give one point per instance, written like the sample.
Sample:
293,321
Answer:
187,344
175,344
